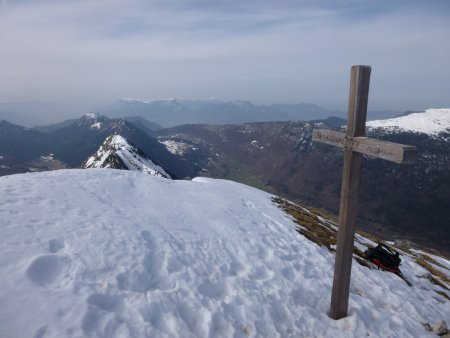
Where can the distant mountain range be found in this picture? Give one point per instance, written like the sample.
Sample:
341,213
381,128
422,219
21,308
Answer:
173,112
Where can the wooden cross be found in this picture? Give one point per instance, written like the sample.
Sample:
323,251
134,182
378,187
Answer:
355,144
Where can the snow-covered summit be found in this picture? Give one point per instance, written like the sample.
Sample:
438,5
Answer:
187,104
431,122
117,153
92,120
111,253
170,100
92,115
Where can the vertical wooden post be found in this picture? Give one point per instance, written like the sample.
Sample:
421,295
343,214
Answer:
356,122
355,144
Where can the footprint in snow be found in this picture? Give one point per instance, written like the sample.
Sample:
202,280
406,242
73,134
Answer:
56,244
149,239
99,306
151,274
248,204
105,302
48,269
40,333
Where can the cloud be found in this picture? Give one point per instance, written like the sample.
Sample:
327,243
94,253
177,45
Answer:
265,51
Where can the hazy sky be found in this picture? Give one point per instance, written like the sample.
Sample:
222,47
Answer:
91,52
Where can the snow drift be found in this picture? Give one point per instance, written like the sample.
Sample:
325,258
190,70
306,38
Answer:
111,253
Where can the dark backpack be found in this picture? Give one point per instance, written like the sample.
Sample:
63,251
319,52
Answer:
384,257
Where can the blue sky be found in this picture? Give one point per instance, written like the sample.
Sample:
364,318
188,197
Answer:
90,53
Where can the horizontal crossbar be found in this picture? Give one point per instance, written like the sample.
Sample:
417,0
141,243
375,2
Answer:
394,152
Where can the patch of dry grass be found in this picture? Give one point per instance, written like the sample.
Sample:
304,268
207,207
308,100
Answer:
433,261
434,273
323,234
442,293
309,224
314,229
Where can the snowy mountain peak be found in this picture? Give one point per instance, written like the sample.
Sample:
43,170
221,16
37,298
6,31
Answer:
91,115
118,141
117,153
92,120
431,122
169,100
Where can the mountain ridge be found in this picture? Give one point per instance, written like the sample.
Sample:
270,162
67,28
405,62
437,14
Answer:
432,122
117,153
71,144
171,112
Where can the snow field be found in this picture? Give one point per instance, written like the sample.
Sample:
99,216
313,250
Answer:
431,122
176,148
110,253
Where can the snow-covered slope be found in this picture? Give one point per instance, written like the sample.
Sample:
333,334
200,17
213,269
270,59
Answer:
117,153
113,253
431,122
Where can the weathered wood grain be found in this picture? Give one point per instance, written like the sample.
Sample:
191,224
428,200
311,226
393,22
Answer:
394,152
